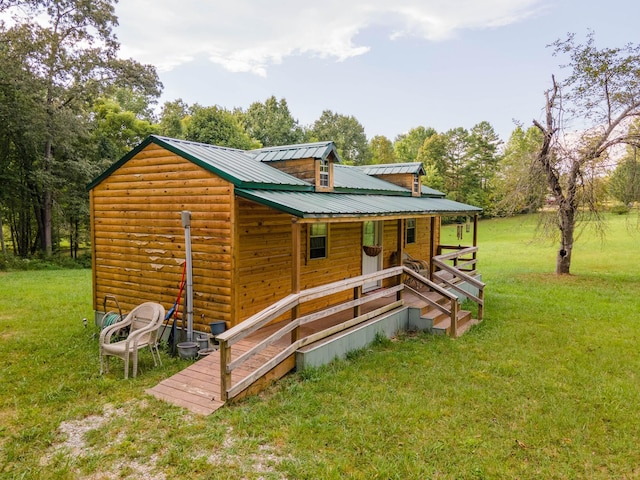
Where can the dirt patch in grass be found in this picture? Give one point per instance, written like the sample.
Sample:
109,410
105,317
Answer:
75,445
74,448
261,462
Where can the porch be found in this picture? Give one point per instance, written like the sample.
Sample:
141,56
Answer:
257,352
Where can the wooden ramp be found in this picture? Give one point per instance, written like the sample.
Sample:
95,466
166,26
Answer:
197,387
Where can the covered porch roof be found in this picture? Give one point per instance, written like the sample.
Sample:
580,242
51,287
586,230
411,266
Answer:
314,205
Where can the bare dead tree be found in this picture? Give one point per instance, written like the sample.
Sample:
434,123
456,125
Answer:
603,99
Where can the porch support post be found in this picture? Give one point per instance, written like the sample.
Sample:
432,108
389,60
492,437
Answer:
432,246
295,273
475,233
400,250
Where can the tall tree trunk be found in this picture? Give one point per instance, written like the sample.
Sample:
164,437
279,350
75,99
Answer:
3,248
566,222
566,200
47,205
76,238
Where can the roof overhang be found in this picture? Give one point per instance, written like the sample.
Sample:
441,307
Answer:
332,207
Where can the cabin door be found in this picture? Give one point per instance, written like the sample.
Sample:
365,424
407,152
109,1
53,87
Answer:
371,235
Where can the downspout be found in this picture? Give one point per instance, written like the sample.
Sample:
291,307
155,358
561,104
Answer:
186,223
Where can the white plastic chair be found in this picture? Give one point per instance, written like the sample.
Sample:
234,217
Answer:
144,321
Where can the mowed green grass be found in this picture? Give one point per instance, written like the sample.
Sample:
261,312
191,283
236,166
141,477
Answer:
546,387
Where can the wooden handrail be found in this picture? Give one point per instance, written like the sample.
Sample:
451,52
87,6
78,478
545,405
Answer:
255,322
260,319
456,272
434,286
435,305
293,301
453,300
290,350
263,317
460,251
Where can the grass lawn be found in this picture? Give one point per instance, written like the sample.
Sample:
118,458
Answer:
548,386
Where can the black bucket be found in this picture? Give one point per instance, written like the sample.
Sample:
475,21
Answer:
217,327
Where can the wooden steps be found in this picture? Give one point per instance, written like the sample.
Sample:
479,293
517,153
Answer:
465,322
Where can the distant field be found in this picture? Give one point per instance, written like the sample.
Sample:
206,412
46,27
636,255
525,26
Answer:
547,387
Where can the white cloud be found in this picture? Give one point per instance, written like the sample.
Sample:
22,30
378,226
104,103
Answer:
251,35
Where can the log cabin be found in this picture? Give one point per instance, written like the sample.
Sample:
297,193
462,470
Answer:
264,223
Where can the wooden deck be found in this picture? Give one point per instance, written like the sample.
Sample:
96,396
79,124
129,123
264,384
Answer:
197,387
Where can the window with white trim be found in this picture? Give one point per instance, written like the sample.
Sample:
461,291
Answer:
410,231
324,172
318,240
416,183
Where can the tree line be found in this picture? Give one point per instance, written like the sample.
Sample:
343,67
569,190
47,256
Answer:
70,107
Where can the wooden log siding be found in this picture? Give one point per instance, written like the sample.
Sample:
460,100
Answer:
344,261
264,257
304,169
420,249
404,180
264,272
138,238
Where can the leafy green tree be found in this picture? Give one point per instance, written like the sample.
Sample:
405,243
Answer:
483,163
407,145
624,183
432,154
520,185
218,126
346,132
173,119
381,150
459,162
70,53
20,105
271,123
458,175
115,131
601,93
135,102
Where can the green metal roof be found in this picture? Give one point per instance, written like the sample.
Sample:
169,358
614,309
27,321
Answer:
236,166
319,150
336,205
393,168
430,192
356,193
354,180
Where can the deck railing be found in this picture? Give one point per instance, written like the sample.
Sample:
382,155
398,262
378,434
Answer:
459,266
292,302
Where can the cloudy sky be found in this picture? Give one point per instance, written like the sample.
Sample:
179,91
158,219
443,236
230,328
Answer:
393,64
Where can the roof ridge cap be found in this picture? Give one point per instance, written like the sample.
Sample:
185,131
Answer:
192,142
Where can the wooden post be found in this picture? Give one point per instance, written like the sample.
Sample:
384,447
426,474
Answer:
481,304
475,234
235,258
454,318
432,246
295,273
225,377
400,250
357,293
